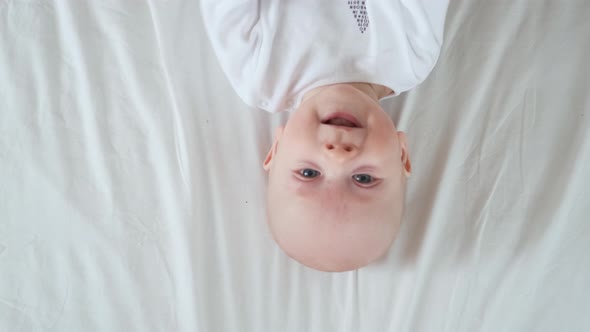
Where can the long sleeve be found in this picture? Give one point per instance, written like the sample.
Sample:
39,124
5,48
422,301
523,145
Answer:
233,29
424,26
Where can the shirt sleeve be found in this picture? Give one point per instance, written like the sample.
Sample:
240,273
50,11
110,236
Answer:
424,22
233,29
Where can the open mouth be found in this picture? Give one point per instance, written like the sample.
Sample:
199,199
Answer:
342,120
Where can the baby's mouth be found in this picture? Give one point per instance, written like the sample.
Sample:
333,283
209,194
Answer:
340,122
341,119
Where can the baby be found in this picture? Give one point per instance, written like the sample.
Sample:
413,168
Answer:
337,170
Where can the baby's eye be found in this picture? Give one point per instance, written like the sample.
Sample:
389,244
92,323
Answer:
363,178
309,173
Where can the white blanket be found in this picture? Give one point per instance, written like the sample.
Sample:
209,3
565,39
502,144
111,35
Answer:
132,192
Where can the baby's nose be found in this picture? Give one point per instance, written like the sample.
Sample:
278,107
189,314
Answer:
341,150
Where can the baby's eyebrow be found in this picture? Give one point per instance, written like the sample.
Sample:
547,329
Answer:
309,164
369,168
303,188
308,189
363,168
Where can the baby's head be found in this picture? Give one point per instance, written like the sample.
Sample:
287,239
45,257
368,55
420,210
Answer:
337,179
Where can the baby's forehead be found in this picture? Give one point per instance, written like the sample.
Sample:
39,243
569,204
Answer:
316,211
333,237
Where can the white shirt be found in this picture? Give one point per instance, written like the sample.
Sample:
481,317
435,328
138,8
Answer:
274,51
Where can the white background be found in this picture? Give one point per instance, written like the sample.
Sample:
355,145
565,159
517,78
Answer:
132,193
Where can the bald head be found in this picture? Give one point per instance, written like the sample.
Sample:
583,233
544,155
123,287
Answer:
331,229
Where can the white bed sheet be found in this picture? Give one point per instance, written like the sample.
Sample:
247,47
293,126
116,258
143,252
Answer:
132,196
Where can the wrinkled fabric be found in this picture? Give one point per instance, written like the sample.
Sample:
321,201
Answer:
132,193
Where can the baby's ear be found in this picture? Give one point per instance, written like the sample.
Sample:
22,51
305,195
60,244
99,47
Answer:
273,149
405,154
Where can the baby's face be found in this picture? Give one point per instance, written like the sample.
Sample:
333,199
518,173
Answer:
337,180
